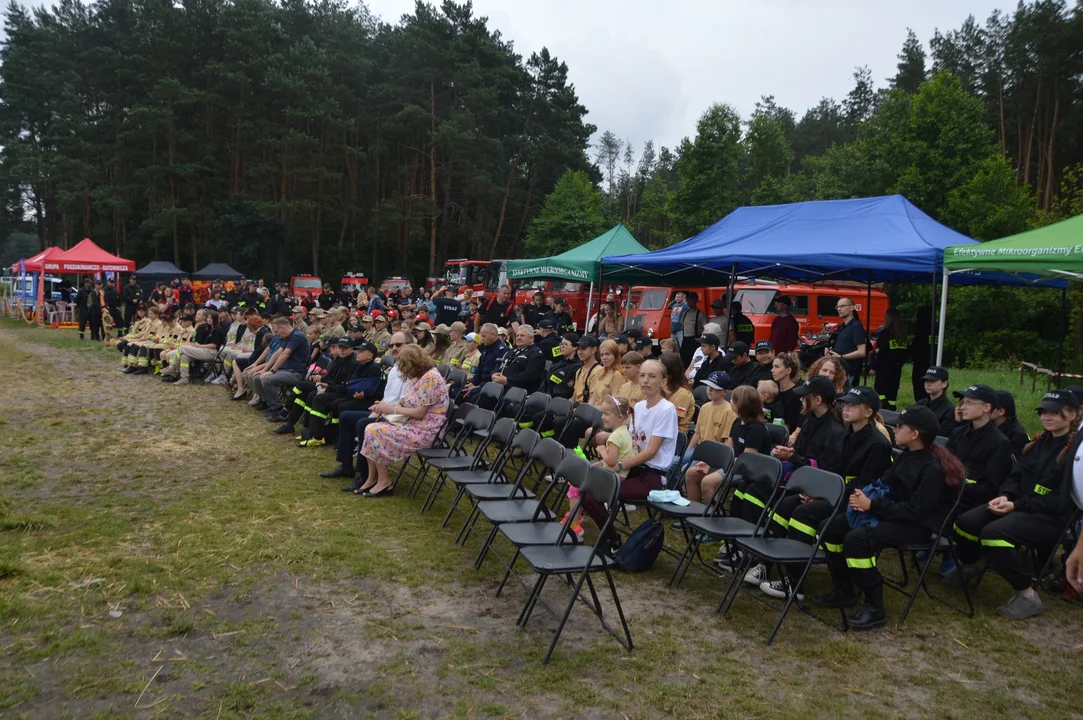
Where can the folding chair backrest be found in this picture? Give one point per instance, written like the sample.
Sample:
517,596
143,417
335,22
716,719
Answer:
718,456
536,403
891,418
757,466
817,483
512,402
489,397
896,453
478,419
941,440
524,441
503,431
699,393
455,376
589,414
779,433
560,406
443,370
387,361
674,474
573,469
548,452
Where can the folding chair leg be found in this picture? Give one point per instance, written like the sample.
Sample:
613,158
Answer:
620,610
434,492
507,573
468,526
485,547
454,504
689,553
567,614
730,595
532,601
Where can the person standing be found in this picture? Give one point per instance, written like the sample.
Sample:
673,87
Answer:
95,307
693,321
892,351
921,350
498,310
850,343
677,309
447,308
112,305
133,298
741,325
722,320
784,328
534,310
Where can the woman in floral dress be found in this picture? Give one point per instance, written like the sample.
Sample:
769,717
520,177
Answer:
424,403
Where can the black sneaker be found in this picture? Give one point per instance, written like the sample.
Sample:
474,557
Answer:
285,429
353,487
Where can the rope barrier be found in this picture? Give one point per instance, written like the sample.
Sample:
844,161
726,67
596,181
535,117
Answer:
1037,370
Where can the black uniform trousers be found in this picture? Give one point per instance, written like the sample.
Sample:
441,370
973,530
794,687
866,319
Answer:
851,553
1001,536
301,394
887,387
750,499
800,521
325,409
129,313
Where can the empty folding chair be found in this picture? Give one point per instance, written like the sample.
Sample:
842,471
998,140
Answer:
441,447
456,380
749,468
521,446
500,436
784,551
456,457
443,369
562,559
699,392
489,397
546,456
533,405
511,405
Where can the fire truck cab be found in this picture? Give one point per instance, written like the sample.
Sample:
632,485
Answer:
305,285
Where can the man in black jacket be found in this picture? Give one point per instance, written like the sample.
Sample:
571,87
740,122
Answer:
560,380
112,305
281,303
335,398
523,366
713,359
251,298
82,304
133,298
327,298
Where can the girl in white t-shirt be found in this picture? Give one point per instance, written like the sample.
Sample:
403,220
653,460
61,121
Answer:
653,428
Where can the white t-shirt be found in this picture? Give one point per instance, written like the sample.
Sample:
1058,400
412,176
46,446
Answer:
1077,475
697,359
658,421
395,385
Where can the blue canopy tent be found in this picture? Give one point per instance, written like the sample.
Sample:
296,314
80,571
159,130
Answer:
880,239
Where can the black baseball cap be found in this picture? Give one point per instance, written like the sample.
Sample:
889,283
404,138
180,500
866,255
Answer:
719,380
588,341
711,339
366,345
633,333
1006,402
816,385
643,342
1077,391
979,392
936,373
547,324
1058,400
920,418
559,301
621,339
862,395
764,345
739,348
571,337
343,342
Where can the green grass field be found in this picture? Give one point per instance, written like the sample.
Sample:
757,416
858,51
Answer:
162,554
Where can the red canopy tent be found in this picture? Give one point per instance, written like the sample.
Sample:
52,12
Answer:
86,257
34,264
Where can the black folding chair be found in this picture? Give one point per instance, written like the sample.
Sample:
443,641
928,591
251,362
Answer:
489,397
891,418
942,541
456,457
512,403
719,458
443,370
1040,570
440,446
585,413
534,404
547,454
456,380
501,435
784,551
521,447
750,467
699,393
558,559
557,408
780,434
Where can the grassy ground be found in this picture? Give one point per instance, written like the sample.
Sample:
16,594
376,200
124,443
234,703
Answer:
163,555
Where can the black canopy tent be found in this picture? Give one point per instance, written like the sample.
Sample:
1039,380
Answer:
158,271
217,271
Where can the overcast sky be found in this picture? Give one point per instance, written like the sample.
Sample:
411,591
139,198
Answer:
647,69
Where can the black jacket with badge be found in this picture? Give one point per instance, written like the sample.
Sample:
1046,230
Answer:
524,367
986,453
550,347
133,294
326,300
1041,484
342,370
560,380
863,457
918,493
820,438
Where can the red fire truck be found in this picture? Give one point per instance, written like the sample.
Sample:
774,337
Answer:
302,285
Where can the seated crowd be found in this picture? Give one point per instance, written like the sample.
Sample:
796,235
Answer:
367,382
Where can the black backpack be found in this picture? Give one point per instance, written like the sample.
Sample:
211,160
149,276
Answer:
641,549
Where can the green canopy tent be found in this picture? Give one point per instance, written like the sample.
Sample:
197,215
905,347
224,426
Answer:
580,264
1034,257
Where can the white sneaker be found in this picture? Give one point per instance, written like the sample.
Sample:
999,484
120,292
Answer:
756,574
727,560
629,508
779,589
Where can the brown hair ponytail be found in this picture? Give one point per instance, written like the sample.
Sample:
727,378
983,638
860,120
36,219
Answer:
954,471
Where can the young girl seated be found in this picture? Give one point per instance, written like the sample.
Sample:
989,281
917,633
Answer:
1031,509
614,447
748,433
920,487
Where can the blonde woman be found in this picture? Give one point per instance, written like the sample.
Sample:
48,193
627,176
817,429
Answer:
605,383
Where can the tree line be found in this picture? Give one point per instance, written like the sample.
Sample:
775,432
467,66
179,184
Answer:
301,135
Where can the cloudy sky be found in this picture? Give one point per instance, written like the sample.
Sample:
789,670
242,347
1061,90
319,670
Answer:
647,69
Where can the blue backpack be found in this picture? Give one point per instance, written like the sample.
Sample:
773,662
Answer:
641,549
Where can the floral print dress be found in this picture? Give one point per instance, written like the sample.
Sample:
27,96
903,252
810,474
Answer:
386,443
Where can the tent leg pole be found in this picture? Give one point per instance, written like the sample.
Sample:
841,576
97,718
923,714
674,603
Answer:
729,304
1063,333
868,329
932,319
943,319
590,303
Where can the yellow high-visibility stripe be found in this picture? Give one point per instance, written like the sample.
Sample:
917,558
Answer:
802,528
861,563
832,547
780,520
964,534
996,543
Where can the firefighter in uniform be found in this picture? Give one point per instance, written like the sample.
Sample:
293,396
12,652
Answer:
251,298
560,380
560,316
455,353
548,340
523,365
133,298
381,338
138,331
